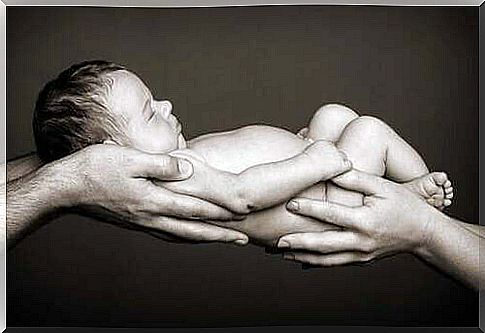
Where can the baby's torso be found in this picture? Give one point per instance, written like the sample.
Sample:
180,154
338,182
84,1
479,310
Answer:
237,150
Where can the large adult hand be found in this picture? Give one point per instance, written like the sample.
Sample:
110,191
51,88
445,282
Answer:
392,219
114,184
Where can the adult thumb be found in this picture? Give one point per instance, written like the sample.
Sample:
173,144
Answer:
163,167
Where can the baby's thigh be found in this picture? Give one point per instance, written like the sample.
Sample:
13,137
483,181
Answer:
267,226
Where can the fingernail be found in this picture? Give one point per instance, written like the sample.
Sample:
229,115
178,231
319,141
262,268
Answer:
241,242
185,167
289,256
282,244
293,206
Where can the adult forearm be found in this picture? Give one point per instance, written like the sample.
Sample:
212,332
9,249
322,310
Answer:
22,166
32,200
454,247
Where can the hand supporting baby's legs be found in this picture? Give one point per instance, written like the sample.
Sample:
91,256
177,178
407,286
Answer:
375,148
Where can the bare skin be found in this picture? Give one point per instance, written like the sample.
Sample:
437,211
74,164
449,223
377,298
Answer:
389,155
255,168
393,219
260,144
123,196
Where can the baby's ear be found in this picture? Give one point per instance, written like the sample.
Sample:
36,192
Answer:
109,142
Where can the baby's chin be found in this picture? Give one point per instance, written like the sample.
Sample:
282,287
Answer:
182,144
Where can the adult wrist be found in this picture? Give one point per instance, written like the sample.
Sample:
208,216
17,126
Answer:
62,182
431,229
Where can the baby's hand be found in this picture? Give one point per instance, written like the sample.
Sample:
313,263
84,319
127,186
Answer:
331,161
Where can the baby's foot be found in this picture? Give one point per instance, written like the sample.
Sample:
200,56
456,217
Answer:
434,187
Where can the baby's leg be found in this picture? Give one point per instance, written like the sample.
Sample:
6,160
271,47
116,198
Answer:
375,148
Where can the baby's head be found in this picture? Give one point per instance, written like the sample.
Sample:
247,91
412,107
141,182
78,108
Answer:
102,102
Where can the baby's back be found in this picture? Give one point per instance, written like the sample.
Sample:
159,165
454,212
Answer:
237,150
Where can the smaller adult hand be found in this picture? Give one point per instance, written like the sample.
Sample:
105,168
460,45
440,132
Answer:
393,219
114,184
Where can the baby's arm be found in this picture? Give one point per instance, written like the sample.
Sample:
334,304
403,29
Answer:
263,185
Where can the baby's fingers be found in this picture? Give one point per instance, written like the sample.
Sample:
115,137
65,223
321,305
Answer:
303,133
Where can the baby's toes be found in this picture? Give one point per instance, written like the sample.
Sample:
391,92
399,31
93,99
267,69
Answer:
440,178
448,193
436,200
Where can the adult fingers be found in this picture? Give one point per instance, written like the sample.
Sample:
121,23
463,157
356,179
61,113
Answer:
325,211
327,260
196,231
162,167
325,242
359,181
163,202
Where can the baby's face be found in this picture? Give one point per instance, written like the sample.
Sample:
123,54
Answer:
150,124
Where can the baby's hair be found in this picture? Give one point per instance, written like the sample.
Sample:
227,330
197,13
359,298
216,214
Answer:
71,112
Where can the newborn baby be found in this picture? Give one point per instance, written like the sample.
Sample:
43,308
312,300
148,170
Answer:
253,170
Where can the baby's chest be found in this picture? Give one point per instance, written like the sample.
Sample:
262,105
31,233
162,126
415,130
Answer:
236,151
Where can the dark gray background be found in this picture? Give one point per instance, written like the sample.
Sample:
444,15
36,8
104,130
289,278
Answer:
416,68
